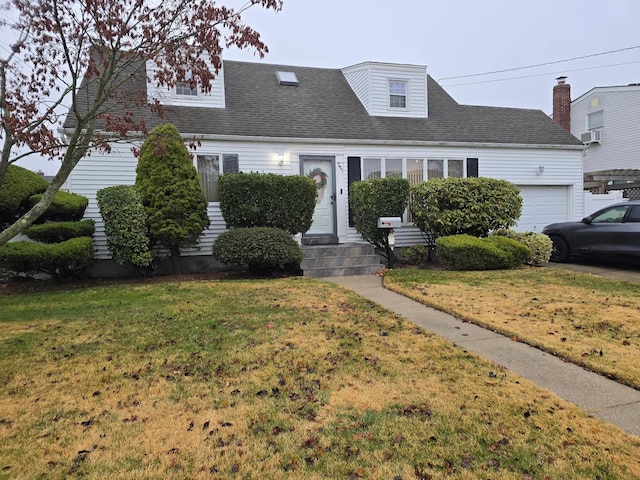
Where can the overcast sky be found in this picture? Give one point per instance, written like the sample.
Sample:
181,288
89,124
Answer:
461,37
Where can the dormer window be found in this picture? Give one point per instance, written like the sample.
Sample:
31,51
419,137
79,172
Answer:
186,87
397,94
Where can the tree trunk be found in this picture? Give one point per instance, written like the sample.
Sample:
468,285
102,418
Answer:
175,259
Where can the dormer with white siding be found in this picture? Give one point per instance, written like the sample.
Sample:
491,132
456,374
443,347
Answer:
389,89
184,96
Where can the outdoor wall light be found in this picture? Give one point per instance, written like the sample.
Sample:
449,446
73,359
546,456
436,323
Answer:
281,159
540,169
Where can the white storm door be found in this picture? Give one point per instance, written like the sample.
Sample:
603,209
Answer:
321,170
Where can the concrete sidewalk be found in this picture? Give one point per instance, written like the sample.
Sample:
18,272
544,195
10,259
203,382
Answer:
601,397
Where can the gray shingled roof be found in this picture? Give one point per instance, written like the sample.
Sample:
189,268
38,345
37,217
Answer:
323,106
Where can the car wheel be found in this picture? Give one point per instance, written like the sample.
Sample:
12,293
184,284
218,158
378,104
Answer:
560,250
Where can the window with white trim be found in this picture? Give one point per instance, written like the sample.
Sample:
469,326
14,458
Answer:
187,87
210,168
416,170
595,123
397,94
371,168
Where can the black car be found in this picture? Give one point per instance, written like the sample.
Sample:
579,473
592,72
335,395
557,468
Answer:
612,230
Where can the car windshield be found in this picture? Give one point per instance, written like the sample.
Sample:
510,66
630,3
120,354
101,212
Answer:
611,215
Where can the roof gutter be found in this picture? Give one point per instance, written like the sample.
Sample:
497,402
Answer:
355,141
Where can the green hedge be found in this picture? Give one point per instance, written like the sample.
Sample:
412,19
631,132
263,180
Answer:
19,184
466,252
61,231
474,206
65,207
540,245
60,260
125,226
267,200
370,199
258,247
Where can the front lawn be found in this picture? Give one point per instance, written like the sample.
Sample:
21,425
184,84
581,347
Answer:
591,321
288,378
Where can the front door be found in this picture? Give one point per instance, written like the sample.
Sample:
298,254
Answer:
321,170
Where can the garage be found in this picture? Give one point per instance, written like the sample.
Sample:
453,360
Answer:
542,205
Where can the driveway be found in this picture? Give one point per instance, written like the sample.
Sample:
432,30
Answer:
625,269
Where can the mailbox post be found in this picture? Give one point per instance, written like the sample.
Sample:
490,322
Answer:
387,224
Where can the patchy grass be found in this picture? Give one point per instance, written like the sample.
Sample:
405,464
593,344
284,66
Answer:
592,321
270,379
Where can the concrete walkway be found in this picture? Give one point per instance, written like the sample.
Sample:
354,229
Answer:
601,397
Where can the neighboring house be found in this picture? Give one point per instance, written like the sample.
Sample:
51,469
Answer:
339,126
607,120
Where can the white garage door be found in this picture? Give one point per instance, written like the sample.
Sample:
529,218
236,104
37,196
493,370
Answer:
542,205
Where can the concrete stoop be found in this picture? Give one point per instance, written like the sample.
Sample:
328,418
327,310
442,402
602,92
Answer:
339,260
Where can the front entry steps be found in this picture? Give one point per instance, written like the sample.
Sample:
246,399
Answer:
339,260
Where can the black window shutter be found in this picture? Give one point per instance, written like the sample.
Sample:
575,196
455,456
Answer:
353,175
472,167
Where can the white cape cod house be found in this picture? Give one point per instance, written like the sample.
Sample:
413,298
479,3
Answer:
339,126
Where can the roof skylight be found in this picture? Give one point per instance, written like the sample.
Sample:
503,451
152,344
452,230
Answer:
287,78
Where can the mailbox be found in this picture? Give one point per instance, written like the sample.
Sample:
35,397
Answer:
389,222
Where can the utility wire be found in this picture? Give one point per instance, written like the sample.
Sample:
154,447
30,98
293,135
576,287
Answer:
539,64
539,74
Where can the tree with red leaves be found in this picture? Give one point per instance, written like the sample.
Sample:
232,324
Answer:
66,48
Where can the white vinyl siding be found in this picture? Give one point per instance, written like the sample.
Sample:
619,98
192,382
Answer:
371,83
518,165
183,96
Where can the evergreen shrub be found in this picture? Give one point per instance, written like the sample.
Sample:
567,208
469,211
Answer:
60,260
125,226
473,206
61,231
539,244
370,199
466,252
286,202
258,247
19,184
65,207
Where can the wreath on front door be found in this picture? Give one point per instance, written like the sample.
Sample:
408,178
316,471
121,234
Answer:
318,176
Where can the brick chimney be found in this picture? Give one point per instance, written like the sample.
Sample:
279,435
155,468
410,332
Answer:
562,104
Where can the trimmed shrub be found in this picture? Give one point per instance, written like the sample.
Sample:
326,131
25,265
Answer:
65,207
473,206
267,200
539,244
60,260
370,199
259,247
19,184
466,252
414,254
125,226
61,231
170,190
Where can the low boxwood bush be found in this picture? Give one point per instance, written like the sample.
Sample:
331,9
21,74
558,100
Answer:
61,231
125,224
18,185
268,200
65,207
261,248
466,252
60,260
539,244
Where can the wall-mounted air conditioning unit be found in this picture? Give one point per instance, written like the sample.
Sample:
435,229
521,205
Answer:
592,136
